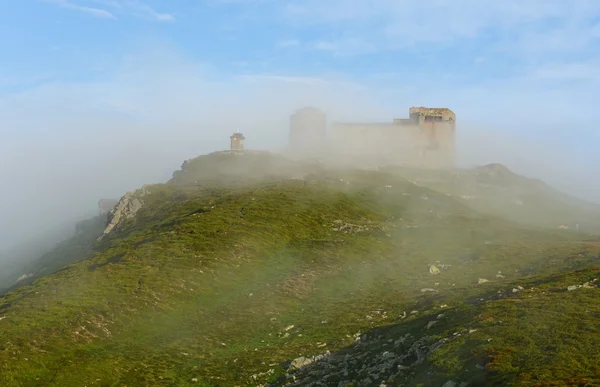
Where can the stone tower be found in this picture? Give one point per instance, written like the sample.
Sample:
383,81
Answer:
438,131
308,131
237,141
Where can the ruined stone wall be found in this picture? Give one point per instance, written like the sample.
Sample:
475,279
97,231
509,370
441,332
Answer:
426,139
430,145
441,136
392,141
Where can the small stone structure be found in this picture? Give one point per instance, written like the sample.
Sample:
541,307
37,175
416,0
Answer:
237,141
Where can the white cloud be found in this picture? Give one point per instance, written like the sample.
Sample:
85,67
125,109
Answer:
519,26
97,12
132,7
344,47
143,10
573,71
284,79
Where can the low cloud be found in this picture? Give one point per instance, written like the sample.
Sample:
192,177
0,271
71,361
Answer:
518,28
66,145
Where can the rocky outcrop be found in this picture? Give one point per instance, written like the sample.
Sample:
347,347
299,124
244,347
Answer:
125,209
371,362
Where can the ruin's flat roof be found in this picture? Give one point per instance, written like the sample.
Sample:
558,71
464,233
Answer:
364,123
382,124
427,110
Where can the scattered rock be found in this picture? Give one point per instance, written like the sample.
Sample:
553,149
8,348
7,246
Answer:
300,362
586,285
263,374
482,281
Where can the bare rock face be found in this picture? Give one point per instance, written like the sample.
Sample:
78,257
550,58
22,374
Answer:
125,209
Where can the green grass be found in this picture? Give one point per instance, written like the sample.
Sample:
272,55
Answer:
542,335
202,283
505,194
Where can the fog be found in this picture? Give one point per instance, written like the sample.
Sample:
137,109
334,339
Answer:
64,146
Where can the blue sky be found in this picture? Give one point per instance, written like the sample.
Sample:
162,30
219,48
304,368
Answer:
465,42
101,96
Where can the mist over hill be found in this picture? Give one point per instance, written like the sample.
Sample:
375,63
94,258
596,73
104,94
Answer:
84,167
410,196
492,189
251,268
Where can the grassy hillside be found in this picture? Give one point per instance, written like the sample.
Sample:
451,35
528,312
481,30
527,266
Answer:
226,281
495,190
542,332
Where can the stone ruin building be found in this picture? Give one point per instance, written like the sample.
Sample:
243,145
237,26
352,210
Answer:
237,141
425,139
308,131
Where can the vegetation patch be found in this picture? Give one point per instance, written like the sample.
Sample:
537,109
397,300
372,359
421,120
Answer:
263,278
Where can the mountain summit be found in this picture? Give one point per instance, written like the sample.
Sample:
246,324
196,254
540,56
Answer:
251,269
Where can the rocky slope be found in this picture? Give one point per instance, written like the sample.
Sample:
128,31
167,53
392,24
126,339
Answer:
477,343
271,272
